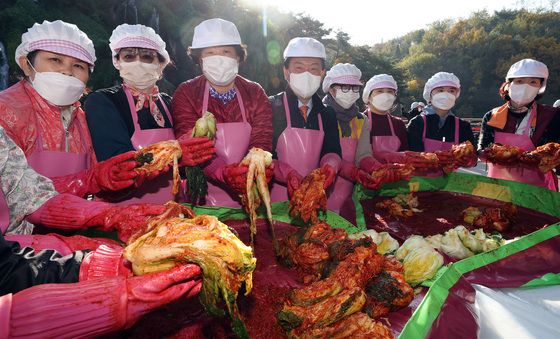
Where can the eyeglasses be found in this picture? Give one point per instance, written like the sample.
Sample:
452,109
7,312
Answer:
347,88
132,54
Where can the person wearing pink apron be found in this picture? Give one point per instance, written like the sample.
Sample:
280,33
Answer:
437,129
240,106
232,143
135,115
28,198
342,85
92,269
43,116
340,198
522,122
432,145
298,149
305,132
385,138
51,163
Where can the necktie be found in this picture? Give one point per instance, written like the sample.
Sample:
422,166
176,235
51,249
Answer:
303,109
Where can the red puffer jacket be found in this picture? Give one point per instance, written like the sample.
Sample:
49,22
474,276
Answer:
187,108
23,112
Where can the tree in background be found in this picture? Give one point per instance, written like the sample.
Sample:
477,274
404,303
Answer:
478,49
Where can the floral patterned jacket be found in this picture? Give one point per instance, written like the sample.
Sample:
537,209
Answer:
23,190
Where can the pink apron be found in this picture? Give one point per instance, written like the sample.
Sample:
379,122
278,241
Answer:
232,143
384,143
432,145
342,189
528,175
298,147
5,220
49,164
159,189
57,163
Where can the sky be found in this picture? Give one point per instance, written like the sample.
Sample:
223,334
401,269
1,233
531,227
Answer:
373,21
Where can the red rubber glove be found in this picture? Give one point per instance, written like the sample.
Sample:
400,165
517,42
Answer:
196,150
293,180
419,162
105,262
143,177
115,173
330,174
393,172
468,161
365,179
69,212
348,171
369,164
150,291
391,157
445,158
126,220
391,176
95,307
235,176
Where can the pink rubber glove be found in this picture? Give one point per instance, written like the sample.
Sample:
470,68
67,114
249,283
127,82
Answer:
61,244
196,150
68,212
105,262
293,180
95,307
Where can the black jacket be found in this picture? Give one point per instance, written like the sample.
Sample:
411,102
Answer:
412,113
547,127
110,121
21,268
416,127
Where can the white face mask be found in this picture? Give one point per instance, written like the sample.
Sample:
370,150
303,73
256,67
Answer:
57,88
443,100
383,101
346,100
140,75
220,70
304,84
522,94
